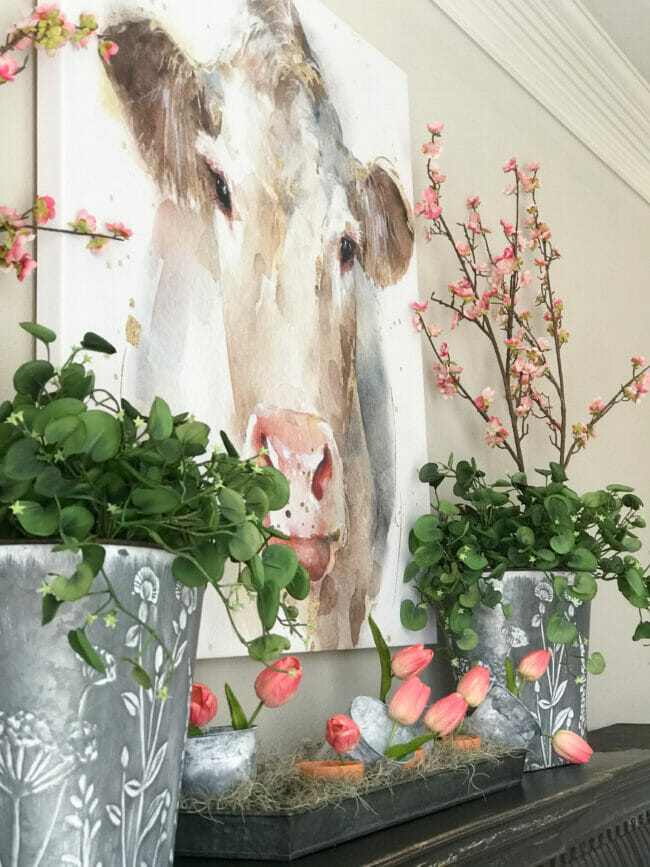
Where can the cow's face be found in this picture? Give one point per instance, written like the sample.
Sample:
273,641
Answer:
299,230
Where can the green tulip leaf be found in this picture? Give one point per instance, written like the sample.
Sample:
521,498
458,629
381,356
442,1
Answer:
384,659
511,680
237,716
401,751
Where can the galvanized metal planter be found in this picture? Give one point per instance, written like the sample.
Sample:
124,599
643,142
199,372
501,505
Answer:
375,725
218,760
559,699
502,717
90,764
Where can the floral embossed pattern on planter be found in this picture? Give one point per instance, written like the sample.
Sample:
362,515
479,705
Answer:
90,764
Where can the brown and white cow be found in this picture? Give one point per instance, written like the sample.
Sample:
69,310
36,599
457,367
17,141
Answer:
275,243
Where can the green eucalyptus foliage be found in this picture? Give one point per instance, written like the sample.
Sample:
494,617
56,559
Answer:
516,524
79,468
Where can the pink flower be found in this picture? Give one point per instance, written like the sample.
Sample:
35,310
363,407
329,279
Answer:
474,685
571,747
119,230
434,330
44,209
638,360
474,222
454,320
532,167
409,701
276,685
446,714
534,664
511,165
8,68
509,189
473,202
429,206
85,223
415,305
16,252
23,43
432,148
27,265
508,228
107,49
596,406
203,705
495,433
444,350
410,661
416,322
525,278
463,248
342,733
435,127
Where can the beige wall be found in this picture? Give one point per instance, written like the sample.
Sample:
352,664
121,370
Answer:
599,224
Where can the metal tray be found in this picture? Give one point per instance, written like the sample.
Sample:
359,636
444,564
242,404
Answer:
290,835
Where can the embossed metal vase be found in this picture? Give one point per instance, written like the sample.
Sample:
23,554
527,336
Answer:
502,717
218,760
559,699
90,764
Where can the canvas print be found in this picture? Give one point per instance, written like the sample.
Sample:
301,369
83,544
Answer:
259,150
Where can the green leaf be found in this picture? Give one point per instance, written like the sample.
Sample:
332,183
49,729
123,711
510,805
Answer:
69,589
276,487
300,586
634,581
447,508
187,573
160,423
227,444
237,716
411,571
642,631
40,332
426,528
141,677
94,556
155,501
36,519
32,376
470,597
475,561
558,473
585,587
245,543
267,648
632,501
428,555
212,556
95,343
21,460
622,489
384,659
413,617
559,630
76,521
193,731
170,450
525,537
511,680
49,608
431,475
103,435
519,480
563,542
280,565
582,560
468,639
194,433
459,618
83,648
596,663
60,408
401,751
75,382
232,505
557,507
594,499
257,502
268,604
507,610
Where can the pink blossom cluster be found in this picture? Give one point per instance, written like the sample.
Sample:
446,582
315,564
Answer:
14,235
48,28
490,293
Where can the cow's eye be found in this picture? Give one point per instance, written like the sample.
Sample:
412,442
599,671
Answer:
347,251
223,193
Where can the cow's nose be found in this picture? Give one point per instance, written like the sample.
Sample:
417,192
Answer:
322,474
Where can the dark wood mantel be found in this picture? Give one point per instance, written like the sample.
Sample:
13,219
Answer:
594,814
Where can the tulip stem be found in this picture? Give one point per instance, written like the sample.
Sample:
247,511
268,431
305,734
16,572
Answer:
341,758
391,736
255,713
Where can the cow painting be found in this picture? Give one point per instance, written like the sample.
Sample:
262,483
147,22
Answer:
275,244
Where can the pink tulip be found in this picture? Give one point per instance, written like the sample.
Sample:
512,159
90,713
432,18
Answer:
410,661
276,685
474,685
445,715
534,664
409,701
571,747
203,705
342,733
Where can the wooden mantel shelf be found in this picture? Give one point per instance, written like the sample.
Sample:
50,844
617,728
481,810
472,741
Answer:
594,814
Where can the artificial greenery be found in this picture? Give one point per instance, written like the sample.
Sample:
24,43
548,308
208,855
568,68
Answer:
462,549
79,467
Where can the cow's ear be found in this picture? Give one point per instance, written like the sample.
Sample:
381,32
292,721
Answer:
165,102
381,207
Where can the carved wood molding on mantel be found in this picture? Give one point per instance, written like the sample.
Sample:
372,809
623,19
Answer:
558,52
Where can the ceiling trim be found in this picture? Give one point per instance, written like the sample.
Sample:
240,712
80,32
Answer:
560,55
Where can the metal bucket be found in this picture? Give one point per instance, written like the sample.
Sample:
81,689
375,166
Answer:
371,716
502,717
218,760
90,764
559,699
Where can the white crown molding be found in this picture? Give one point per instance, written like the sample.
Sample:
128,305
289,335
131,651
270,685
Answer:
558,52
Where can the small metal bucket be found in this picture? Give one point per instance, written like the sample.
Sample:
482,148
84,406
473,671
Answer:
502,717
218,760
371,716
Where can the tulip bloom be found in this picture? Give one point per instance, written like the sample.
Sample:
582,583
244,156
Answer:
410,661
474,685
276,685
446,714
571,747
203,705
409,701
534,664
342,733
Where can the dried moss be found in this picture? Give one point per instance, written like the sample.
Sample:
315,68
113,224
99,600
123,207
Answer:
279,786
